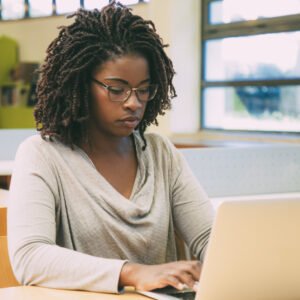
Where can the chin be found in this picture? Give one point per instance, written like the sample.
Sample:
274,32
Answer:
124,133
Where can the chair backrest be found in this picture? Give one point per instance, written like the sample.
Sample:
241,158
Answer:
7,277
3,221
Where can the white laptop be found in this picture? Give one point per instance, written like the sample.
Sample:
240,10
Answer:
253,253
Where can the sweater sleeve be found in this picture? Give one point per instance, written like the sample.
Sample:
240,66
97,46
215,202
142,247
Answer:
193,213
34,255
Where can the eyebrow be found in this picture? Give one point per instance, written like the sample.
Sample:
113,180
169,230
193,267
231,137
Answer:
124,81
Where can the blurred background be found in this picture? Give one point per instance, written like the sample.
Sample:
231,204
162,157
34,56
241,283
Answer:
237,62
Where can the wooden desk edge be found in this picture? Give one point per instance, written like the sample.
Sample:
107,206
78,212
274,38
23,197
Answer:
37,293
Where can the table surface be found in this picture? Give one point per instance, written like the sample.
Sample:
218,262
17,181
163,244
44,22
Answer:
38,293
6,167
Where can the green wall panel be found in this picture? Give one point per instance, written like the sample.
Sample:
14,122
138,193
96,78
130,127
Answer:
16,117
8,57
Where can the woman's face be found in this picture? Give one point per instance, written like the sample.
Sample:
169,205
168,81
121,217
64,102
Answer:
118,118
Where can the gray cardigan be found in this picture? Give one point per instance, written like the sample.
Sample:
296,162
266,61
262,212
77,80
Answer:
69,228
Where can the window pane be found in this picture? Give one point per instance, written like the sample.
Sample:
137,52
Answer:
275,108
13,9
129,2
228,11
67,6
39,8
91,4
265,56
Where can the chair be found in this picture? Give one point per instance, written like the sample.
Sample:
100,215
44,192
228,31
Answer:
7,277
3,221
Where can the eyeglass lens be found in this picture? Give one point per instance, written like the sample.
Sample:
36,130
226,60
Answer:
121,92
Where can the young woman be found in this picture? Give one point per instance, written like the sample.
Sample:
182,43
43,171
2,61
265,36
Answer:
95,201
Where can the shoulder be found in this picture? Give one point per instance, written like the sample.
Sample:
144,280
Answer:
34,143
31,143
30,150
36,155
159,141
161,148
35,147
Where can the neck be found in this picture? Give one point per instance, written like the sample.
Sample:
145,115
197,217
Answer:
100,143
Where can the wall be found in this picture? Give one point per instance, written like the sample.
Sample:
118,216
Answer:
34,35
185,53
176,21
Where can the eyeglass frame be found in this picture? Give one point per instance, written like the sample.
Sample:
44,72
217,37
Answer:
129,94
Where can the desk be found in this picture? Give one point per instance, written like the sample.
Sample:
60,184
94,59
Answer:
3,198
38,293
6,167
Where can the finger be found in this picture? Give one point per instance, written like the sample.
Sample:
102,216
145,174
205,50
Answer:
195,270
187,279
174,282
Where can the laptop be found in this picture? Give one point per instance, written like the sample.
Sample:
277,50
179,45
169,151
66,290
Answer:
253,253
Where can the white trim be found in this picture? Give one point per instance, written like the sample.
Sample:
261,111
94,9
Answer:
6,167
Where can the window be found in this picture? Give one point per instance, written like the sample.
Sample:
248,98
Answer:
91,4
129,2
66,6
11,10
37,8
251,65
20,9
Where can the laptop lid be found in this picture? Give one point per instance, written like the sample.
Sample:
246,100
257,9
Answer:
253,252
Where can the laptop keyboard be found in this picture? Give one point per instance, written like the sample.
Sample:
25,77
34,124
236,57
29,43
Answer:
185,294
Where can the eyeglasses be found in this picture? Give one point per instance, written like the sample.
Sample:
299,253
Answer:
121,93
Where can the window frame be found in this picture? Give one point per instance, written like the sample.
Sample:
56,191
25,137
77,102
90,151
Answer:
286,23
54,13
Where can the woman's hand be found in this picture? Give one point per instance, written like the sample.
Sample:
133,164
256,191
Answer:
149,277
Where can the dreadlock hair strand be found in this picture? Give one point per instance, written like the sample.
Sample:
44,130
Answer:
63,108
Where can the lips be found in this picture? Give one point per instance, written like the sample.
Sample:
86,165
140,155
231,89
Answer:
133,118
130,121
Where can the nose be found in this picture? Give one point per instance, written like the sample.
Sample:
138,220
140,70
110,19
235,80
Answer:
133,102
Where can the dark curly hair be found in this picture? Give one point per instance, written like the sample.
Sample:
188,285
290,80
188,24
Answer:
63,90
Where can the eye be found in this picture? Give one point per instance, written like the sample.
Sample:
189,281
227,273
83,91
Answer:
144,90
117,89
